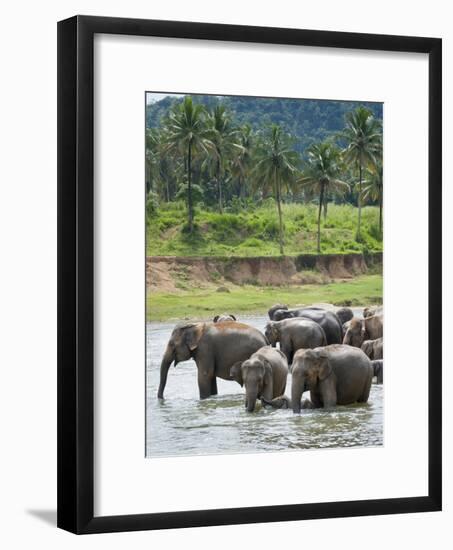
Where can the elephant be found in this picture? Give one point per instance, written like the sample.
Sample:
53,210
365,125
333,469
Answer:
263,374
355,333
294,334
224,317
274,308
374,326
373,348
335,375
372,310
378,370
215,347
284,402
345,314
328,321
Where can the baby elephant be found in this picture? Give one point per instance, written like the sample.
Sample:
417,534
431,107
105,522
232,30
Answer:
335,375
373,348
378,370
263,374
294,334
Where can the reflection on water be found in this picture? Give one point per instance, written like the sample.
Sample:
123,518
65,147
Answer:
184,425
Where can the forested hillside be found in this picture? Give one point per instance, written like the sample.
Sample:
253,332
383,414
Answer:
308,121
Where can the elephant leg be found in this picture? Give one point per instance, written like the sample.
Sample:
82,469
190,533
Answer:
366,391
287,349
316,399
214,386
206,375
328,391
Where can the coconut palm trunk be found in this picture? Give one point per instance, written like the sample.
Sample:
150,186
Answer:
189,187
359,200
280,218
219,187
325,205
321,201
380,212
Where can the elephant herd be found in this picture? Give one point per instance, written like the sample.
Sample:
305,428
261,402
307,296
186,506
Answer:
334,355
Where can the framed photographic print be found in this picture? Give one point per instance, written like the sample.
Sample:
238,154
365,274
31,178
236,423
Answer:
238,206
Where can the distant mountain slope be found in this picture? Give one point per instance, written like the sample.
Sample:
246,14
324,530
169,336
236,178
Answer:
308,120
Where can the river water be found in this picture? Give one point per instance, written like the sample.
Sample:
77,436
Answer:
182,425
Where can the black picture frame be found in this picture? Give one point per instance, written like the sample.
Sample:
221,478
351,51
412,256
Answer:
76,260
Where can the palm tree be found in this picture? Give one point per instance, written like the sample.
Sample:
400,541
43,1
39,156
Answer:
276,167
222,134
187,133
363,134
320,175
373,190
242,159
152,157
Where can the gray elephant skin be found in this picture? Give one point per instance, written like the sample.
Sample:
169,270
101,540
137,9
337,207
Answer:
328,320
360,330
335,375
374,326
263,374
373,348
215,347
345,314
294,334
378,370
372,310
355,333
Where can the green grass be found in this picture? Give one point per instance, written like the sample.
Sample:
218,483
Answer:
363,290
254,232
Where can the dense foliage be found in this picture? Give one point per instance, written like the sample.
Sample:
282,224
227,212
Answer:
230,155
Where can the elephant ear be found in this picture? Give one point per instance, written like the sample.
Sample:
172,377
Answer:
192,335
236,373
325,369
267,371
216,318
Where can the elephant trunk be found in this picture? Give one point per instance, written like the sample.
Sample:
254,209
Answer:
251,395
297,390
167,360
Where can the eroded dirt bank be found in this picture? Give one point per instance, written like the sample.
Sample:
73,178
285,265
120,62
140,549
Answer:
169,273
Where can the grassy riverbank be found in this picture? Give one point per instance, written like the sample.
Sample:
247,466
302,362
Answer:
254,231
199,304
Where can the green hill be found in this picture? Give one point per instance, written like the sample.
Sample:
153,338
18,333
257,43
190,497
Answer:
310,120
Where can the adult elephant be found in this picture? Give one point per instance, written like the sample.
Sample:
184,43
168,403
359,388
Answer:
335,375
215,347
327,320
294,334
275,308
263,374
345,314
373,348
374,326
